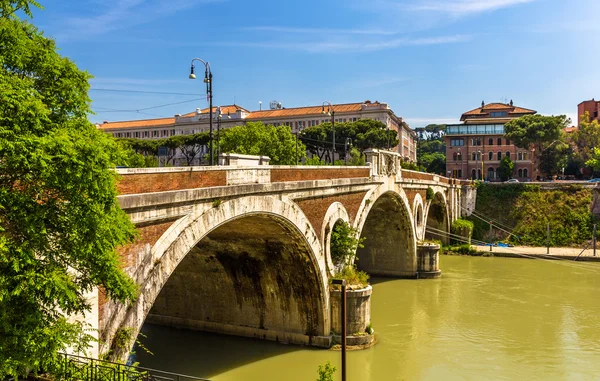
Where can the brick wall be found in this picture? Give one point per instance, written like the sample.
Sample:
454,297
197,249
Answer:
161,182
315,209
279,175
417,175
131,253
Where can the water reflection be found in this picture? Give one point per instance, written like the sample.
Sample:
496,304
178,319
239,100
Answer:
486,318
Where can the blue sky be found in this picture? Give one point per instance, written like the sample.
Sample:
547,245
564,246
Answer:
430,60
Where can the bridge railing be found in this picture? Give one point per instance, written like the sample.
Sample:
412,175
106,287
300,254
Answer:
76,368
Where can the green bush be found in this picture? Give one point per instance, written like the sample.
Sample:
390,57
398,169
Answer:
326,372
463,228
429,195
352,276
527,209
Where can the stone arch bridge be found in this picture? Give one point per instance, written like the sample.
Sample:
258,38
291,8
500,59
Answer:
245,250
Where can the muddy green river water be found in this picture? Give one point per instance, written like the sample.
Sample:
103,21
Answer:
485,319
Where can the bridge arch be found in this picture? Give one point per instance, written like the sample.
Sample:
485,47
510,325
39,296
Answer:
419,216
438,218
336,212
386,223
250,266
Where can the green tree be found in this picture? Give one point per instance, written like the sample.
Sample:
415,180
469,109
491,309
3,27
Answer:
434,162
584,139
506,169
191,145
364,134
60,222
594,161
537,131
255,138
326,372
553,158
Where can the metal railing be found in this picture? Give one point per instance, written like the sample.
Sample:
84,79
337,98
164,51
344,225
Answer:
79,368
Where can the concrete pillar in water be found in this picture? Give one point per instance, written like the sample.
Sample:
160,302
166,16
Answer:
428,261
358,316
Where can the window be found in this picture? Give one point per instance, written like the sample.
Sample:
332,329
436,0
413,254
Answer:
137,134
498,114
459,156
491,155
128,135
520,173
508,154
459,173
118,135
507,142
172,132
525,173
473,156
146,134
524,155
457,142
491,173
499,141
454,156
520,156
473,174
490,141
354,119
499,155
154,133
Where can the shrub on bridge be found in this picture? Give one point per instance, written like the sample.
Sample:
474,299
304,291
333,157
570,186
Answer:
343,245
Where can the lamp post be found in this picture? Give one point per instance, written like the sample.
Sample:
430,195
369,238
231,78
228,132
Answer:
460,161
208,80
342,282
219,117
331,112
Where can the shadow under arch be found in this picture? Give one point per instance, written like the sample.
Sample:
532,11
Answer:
389,245
438,219
249,267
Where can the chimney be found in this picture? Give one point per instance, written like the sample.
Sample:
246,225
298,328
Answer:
105,122
511,102
482,104
198,111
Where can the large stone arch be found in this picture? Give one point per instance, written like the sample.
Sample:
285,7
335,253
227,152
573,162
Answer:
335,213
386,221
438,218
283,233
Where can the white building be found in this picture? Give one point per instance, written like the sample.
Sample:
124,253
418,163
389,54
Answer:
297,118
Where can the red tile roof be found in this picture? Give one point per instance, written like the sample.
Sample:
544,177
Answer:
486,109
252,115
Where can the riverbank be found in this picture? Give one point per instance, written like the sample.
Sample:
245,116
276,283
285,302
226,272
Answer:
529,252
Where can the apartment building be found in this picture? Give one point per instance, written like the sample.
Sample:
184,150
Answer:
296,118
591,107
475,148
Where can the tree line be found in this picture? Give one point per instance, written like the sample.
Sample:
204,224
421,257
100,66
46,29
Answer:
276,142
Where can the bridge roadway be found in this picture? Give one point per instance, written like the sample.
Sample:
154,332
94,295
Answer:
245,250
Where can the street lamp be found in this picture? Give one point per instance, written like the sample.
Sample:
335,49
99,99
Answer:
208,80
331,112
460,161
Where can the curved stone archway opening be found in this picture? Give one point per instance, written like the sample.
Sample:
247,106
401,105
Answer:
252,276
389,245
437,220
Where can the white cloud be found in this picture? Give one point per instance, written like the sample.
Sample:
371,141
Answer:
421,122
464,7
279,29
122,14
353,46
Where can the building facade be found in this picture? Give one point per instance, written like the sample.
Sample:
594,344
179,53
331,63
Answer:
591,107
475,148
296,118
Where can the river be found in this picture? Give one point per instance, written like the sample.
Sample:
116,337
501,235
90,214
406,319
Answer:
485,319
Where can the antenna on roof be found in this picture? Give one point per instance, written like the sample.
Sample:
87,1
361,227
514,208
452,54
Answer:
260,105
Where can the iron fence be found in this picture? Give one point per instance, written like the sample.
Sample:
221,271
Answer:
79,368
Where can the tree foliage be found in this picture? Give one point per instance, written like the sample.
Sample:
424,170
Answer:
506,169
60,222
585,139
364,134
255,138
